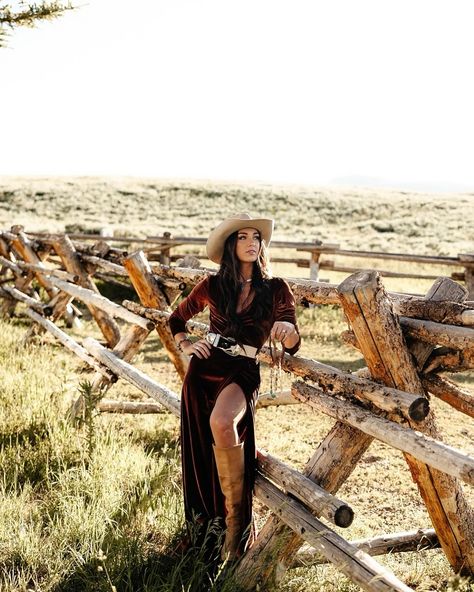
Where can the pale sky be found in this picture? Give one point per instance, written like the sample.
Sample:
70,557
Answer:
279,91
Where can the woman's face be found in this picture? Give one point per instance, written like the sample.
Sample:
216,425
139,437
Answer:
247,247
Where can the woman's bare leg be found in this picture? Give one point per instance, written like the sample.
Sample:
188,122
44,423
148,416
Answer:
229,454
228,410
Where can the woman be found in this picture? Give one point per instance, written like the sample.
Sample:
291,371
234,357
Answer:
221,385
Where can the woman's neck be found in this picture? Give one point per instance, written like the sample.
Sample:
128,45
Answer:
246,271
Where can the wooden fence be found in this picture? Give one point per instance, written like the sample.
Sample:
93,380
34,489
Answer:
406,341
317,253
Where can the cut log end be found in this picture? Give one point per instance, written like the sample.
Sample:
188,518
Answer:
419,409
150,326
355,280
344,516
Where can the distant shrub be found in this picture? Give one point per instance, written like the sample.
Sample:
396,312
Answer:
381,226
5,196
79,227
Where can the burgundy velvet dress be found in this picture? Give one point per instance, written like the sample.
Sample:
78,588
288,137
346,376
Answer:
204,380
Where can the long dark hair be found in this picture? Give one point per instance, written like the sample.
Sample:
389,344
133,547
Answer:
229,287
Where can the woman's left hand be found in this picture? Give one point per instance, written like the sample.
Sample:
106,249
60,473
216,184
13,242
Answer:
282,330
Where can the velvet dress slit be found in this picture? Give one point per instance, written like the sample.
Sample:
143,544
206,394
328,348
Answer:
204,381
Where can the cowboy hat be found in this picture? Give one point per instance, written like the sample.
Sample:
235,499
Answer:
218,236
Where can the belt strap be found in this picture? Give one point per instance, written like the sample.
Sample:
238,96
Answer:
230,346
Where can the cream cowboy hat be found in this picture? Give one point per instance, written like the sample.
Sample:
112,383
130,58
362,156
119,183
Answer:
218,236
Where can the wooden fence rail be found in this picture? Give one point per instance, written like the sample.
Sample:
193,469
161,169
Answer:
436,327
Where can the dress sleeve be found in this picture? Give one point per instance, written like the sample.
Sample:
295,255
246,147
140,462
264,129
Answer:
195,302
285,311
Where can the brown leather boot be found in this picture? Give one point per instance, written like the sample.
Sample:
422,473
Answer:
230,468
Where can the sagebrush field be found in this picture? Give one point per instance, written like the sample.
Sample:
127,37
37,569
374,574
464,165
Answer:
97,507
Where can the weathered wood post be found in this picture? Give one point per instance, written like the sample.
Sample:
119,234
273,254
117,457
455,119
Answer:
56,306
165,254
68,255
315,256
314,265
380,338
150,295
23,246
354,563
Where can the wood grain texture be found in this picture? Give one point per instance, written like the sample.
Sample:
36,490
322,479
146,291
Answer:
150,295
444,311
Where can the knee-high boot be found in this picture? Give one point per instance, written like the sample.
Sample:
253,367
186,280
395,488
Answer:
230,468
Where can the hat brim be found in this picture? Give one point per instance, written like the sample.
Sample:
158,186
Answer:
216,241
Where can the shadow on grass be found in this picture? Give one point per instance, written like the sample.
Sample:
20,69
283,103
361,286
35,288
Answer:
159,442
32,434
153,352
29,455
155,565
117,293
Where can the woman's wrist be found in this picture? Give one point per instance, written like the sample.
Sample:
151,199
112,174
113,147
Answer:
181,341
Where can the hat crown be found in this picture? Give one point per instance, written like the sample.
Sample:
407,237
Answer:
241,216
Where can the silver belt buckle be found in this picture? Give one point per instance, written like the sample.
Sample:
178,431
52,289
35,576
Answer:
233,350
212,338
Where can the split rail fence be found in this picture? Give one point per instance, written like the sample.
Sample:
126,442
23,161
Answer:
317,252
407,343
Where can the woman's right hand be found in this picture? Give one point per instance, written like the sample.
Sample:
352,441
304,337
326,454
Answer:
201,348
